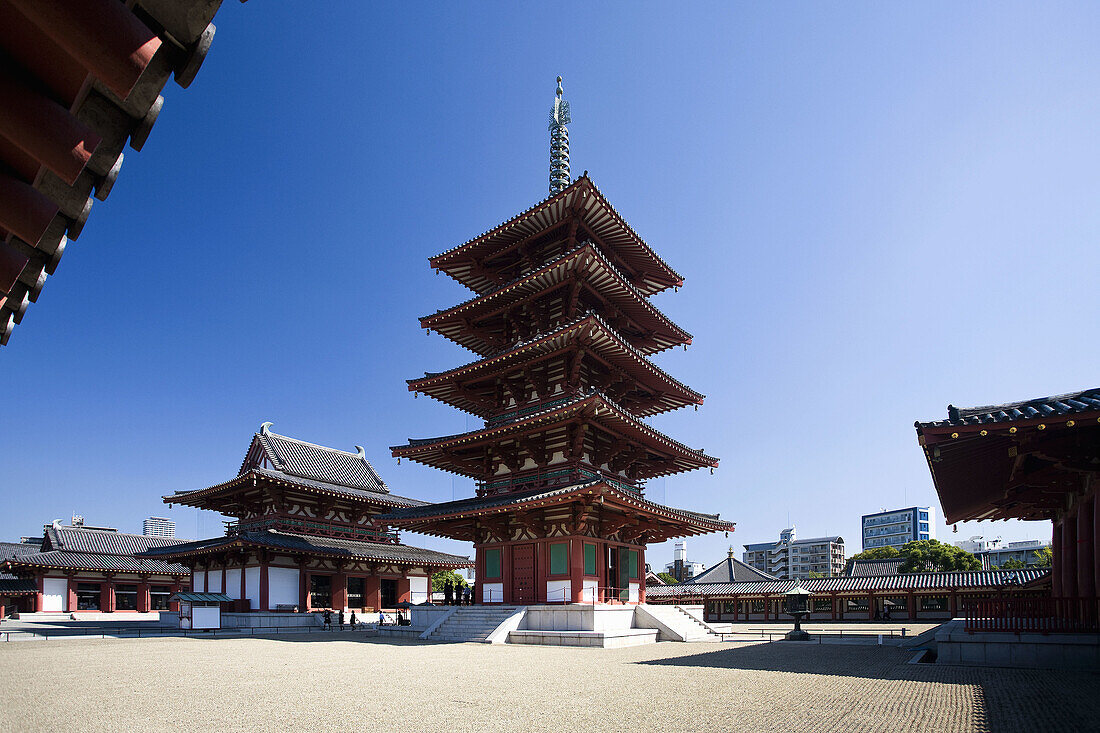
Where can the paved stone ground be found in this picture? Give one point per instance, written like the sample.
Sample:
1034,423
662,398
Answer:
346,681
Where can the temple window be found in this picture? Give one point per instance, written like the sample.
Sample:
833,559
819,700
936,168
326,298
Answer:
125,597
87,596
158,597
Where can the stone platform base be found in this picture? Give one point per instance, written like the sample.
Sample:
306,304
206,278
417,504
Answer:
603,639
267,619
1032,651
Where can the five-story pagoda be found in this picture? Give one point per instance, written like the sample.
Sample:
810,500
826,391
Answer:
563,328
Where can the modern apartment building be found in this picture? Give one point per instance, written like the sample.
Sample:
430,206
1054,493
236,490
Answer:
792,558
158,527
681,568
896,527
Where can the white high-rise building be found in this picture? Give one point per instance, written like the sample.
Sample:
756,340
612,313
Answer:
158,527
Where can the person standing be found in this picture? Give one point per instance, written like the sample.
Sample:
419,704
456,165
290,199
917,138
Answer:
340,618
353,620
448,593
328,620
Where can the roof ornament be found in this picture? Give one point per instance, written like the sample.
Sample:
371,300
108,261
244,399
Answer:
362,453
265,428
559,142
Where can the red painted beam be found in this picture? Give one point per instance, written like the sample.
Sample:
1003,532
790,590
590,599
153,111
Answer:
103,35
43,129
12,262
24,211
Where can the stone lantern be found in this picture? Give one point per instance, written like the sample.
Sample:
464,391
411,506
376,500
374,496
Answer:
798,606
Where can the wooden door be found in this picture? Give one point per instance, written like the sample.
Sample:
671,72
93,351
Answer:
523,574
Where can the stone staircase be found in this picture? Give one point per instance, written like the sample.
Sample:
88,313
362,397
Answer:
472,623
680,622
707,628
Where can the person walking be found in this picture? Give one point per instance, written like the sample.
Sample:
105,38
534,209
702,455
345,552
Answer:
328,620
353,620
340,618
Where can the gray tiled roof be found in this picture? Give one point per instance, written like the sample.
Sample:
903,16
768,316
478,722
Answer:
318,463
844,584
380,551
730,570
386,499
865,568
97,561
1085,401
79,539
479,503
11,585
8,582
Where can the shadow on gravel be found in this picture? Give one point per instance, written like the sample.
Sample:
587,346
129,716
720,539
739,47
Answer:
1004,699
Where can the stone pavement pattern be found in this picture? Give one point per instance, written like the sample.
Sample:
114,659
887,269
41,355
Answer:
346,681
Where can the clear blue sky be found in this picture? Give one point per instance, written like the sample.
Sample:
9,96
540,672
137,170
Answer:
877,209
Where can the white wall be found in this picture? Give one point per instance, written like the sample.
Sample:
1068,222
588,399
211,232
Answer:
252,587
418,587
558,591
633,598
214,581
590,589
206,617
233,583
197,580
282,586
492,592
55,595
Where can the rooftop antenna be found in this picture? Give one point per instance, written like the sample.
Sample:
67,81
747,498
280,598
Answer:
559,142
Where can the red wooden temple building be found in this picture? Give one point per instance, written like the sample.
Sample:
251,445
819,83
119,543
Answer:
307,534
562,329
1037,459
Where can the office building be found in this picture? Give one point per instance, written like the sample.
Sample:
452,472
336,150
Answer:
791,558
158,527
896,527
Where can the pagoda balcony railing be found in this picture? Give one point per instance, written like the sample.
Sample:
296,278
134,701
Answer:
322,529
549,478
1033,615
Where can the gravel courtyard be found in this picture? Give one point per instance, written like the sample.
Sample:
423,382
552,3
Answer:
345,681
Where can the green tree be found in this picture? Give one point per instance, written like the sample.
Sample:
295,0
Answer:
1012,564
438,579
875,553
1045,556
814,574
929,556
668,578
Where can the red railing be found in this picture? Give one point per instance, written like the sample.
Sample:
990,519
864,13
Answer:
1033,615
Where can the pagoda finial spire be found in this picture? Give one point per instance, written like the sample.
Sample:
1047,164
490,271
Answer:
559,142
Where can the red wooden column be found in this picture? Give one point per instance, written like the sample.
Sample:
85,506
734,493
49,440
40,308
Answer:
38,596
834,605
340,589
1095,544
403,588
767,606
1069,555
174,605
303,587
911,605
506,574
70,598
372,591
870,606
1086,586
143,595
107,594
1056,570
576,570
953,604
641,574
264,600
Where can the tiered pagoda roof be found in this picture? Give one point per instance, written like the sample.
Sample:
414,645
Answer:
563,326
482,263
579,281
472,387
